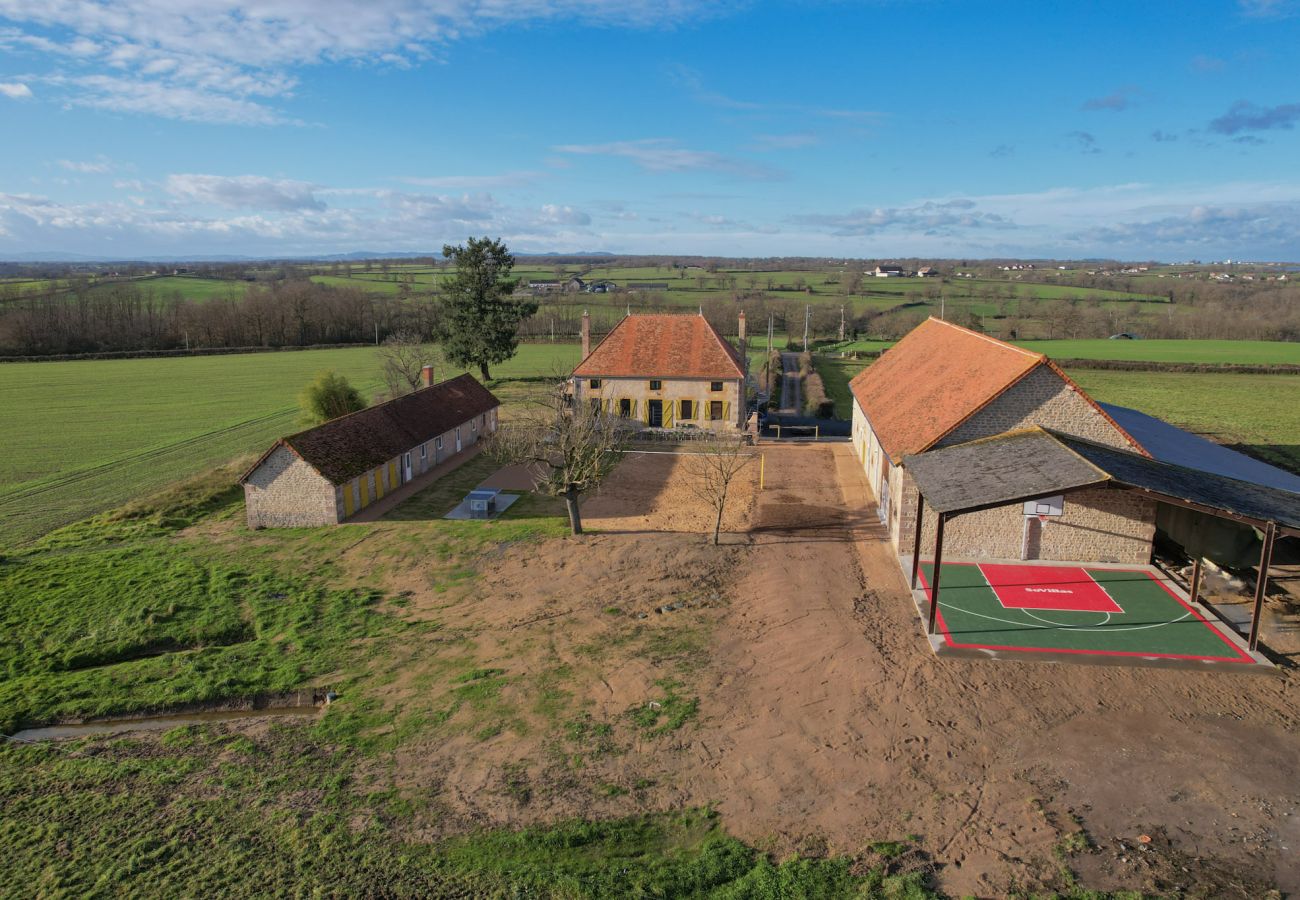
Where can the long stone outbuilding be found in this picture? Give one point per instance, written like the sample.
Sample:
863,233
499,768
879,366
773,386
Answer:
325,474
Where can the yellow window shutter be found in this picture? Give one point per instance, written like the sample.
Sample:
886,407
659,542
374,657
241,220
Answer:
668,414
726,410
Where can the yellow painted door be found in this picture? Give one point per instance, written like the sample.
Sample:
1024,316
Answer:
347,499
379,476
393,480
365,490
669,408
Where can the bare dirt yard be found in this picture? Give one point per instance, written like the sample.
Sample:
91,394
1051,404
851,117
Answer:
783,678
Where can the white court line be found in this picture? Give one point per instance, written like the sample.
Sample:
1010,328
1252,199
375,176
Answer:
1022,624
1089,628
1030,613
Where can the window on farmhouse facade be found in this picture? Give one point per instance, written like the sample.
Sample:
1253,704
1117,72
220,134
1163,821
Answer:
424,451
595,406
625,408
715,386
688,409
656,385
715,410
437,443
594,384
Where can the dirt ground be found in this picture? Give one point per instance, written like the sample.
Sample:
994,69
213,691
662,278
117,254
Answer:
824,721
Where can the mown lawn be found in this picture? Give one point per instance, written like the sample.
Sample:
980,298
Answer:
129,427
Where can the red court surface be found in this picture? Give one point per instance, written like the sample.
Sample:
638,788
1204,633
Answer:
1077,613
1047,587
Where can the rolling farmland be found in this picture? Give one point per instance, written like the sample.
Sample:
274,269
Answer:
129,427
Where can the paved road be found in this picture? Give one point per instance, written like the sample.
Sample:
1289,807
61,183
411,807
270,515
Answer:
790,383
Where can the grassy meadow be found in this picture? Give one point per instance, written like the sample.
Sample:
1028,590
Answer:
1256,353
1259,414
173,601
127,427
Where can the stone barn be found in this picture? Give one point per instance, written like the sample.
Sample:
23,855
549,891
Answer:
323,475
943,385
664,371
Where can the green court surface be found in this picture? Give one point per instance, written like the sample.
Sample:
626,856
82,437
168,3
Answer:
1074,610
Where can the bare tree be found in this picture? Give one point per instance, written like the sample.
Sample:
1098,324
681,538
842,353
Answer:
401,358
712,470
572,449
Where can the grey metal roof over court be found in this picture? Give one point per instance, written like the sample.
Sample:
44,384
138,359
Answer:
1171,444
1037,462
1005,468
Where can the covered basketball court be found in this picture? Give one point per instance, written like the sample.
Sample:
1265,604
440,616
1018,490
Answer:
1086,612
1112,613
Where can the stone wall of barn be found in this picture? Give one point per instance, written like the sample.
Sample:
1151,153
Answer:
1043,398
1096,525
286,492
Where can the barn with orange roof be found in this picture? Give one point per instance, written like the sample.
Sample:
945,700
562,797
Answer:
944,385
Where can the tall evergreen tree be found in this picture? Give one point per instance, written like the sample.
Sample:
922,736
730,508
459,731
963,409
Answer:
480,322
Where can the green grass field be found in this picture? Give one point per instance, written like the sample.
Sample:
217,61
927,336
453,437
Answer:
174,601
128,427
194,288
1239,352
1259,414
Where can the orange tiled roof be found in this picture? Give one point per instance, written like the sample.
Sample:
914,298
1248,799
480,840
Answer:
934,379
662,346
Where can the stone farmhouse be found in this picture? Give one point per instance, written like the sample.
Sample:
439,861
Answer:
943,385
325,474
664,371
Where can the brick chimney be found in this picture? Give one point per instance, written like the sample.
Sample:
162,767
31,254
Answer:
586,334
744,354
426,375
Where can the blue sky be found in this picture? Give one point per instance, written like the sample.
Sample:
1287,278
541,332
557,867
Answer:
909,128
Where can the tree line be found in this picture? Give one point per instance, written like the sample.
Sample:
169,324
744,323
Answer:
126,316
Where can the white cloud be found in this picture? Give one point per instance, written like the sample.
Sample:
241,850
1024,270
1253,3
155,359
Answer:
160,57
929,217
186,103
663,155
563,215
99,166
473,182
15,90
244,192
1132,221
785,141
